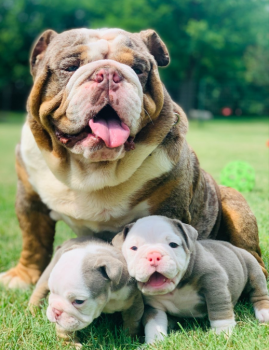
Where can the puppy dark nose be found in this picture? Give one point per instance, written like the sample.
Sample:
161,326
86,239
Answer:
154,258
57,313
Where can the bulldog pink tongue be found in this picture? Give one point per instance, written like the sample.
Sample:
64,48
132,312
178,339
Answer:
112,131
156,280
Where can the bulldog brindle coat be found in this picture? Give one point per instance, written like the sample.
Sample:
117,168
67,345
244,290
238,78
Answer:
101,147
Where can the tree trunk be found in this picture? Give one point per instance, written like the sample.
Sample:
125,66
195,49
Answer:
187,94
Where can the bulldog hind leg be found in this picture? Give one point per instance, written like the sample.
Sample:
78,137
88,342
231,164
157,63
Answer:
238,225
257,289
38,231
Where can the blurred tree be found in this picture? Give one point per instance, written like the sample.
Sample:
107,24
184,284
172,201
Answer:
214,42
21,21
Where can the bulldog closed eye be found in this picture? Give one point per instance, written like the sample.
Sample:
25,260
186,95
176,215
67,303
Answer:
183,277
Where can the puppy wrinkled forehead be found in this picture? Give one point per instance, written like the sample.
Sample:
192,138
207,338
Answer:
66,272
155,229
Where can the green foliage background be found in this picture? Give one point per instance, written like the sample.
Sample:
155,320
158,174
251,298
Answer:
219,49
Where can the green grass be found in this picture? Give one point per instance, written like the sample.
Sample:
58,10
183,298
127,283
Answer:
216,142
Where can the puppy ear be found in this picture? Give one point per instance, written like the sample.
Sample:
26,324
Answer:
156,47
112,268
188,232
40,48
119,239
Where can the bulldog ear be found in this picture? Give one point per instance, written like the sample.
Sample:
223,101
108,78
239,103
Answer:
111,268
156,47
119,239
39,49
188,232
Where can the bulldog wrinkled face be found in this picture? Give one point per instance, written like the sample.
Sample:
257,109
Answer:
99,78
103,107
156,256
73,304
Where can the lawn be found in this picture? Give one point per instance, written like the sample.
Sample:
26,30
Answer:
216,142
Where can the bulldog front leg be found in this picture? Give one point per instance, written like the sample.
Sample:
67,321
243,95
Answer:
38,231
156,323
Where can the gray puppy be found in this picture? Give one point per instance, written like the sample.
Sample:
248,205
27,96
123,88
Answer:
85,278
183,277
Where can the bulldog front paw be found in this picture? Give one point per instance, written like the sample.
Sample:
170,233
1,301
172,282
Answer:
223,326
262,315
19,277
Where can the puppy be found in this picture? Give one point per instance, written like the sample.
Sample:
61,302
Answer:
85,278
183,277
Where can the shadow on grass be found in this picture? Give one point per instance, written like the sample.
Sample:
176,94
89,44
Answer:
106,333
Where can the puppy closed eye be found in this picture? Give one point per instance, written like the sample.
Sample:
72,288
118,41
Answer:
173,245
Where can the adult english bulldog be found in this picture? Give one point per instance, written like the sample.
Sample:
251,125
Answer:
104,145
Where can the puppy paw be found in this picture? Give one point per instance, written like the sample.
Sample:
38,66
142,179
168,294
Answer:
225,326
262,315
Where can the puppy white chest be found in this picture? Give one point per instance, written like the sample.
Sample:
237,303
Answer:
183,302
119,301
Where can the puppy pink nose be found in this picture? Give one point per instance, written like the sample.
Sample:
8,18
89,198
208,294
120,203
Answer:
56,312
154,258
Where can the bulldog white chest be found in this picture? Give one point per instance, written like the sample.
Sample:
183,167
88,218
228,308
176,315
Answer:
183,302
85,212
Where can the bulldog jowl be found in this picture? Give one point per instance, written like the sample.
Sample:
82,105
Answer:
106,127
